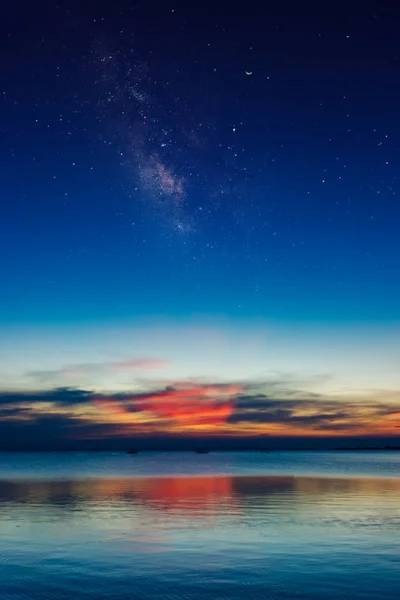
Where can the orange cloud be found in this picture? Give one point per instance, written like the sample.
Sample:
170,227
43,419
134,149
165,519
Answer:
182,406
189,406
110,405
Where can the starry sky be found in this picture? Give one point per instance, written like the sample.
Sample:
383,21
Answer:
199,225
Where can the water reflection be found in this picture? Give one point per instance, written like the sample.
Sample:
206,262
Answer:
192,497
272,537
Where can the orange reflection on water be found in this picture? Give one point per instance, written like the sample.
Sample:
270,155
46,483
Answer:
173,492
186,494
191,495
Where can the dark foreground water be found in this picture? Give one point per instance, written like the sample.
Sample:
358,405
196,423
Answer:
218,526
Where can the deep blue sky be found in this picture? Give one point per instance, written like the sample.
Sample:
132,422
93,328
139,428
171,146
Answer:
307,225
216,196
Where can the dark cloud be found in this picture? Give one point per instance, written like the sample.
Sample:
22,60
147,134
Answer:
288,416
70,396
50,417
12,412
60,396
313,411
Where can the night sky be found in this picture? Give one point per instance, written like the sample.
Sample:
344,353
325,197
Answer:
199,230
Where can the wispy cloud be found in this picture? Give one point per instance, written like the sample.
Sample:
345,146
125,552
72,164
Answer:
135,365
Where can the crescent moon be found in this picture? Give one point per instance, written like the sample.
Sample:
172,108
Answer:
247,73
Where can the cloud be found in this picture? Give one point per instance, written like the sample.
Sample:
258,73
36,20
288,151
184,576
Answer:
311,411
289,417
139,363
180,407
190,409
59,396
13,412
76,371
185,404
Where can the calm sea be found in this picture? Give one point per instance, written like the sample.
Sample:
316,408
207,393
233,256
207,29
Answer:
175,526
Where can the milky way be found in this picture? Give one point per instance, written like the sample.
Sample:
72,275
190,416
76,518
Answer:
142,124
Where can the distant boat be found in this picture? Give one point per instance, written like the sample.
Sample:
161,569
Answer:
200,451
132,452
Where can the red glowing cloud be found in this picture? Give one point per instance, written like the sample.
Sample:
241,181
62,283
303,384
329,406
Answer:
182,405
190,406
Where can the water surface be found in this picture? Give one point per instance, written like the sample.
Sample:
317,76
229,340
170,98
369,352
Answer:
73,465
93,534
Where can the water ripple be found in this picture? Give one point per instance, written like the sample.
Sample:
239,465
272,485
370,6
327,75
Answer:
187,538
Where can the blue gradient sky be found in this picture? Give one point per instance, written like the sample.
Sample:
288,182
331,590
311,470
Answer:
159,204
